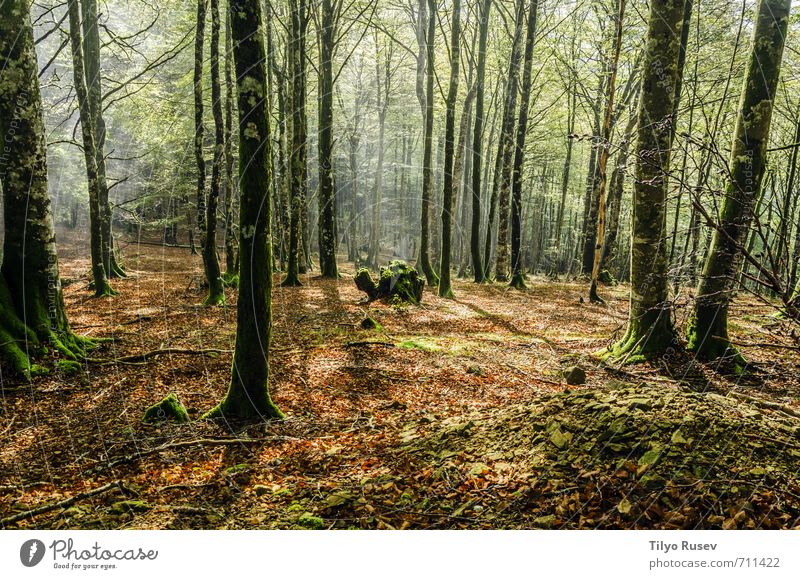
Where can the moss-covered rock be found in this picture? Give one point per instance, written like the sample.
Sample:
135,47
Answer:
169,408
398,282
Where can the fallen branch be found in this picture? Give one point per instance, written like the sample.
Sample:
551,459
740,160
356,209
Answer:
368,343
63,504
153,353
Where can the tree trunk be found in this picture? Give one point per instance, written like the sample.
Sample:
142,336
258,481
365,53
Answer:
297,164
506,148
230,232
602,161
248,394
477,142
327,189
517,275
445,287
199,128
427,155
99,274
216,292
650,321
708,323
91,53
32,315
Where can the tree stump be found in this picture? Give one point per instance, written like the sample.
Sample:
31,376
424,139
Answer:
398,282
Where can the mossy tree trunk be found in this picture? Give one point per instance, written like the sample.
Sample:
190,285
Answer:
477,143
297,159
91,53
517,275
99,273
650,327
506,148
602,160
248,394
216,292
445,286
327,189
32,316
708,323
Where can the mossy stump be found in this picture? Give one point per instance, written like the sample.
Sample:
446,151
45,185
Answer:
398,281
169,408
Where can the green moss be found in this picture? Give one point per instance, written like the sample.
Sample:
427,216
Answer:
309,521
68,366
419,344
370,323
168,409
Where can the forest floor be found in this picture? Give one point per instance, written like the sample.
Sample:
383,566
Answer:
453,415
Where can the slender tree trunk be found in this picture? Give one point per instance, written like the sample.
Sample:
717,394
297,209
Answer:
708,323
230,232
99,275
445,286
517,274
91,53
199,128
427,156
650,327
216,292
507,140
383,86
602,161
478,270
327,188
248,394
297,164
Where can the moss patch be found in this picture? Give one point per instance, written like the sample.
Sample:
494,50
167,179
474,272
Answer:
168,409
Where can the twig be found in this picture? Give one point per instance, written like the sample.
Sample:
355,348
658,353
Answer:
368,343
152,354
63,504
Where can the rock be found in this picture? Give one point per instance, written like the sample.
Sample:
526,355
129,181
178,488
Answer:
574,375
168,409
